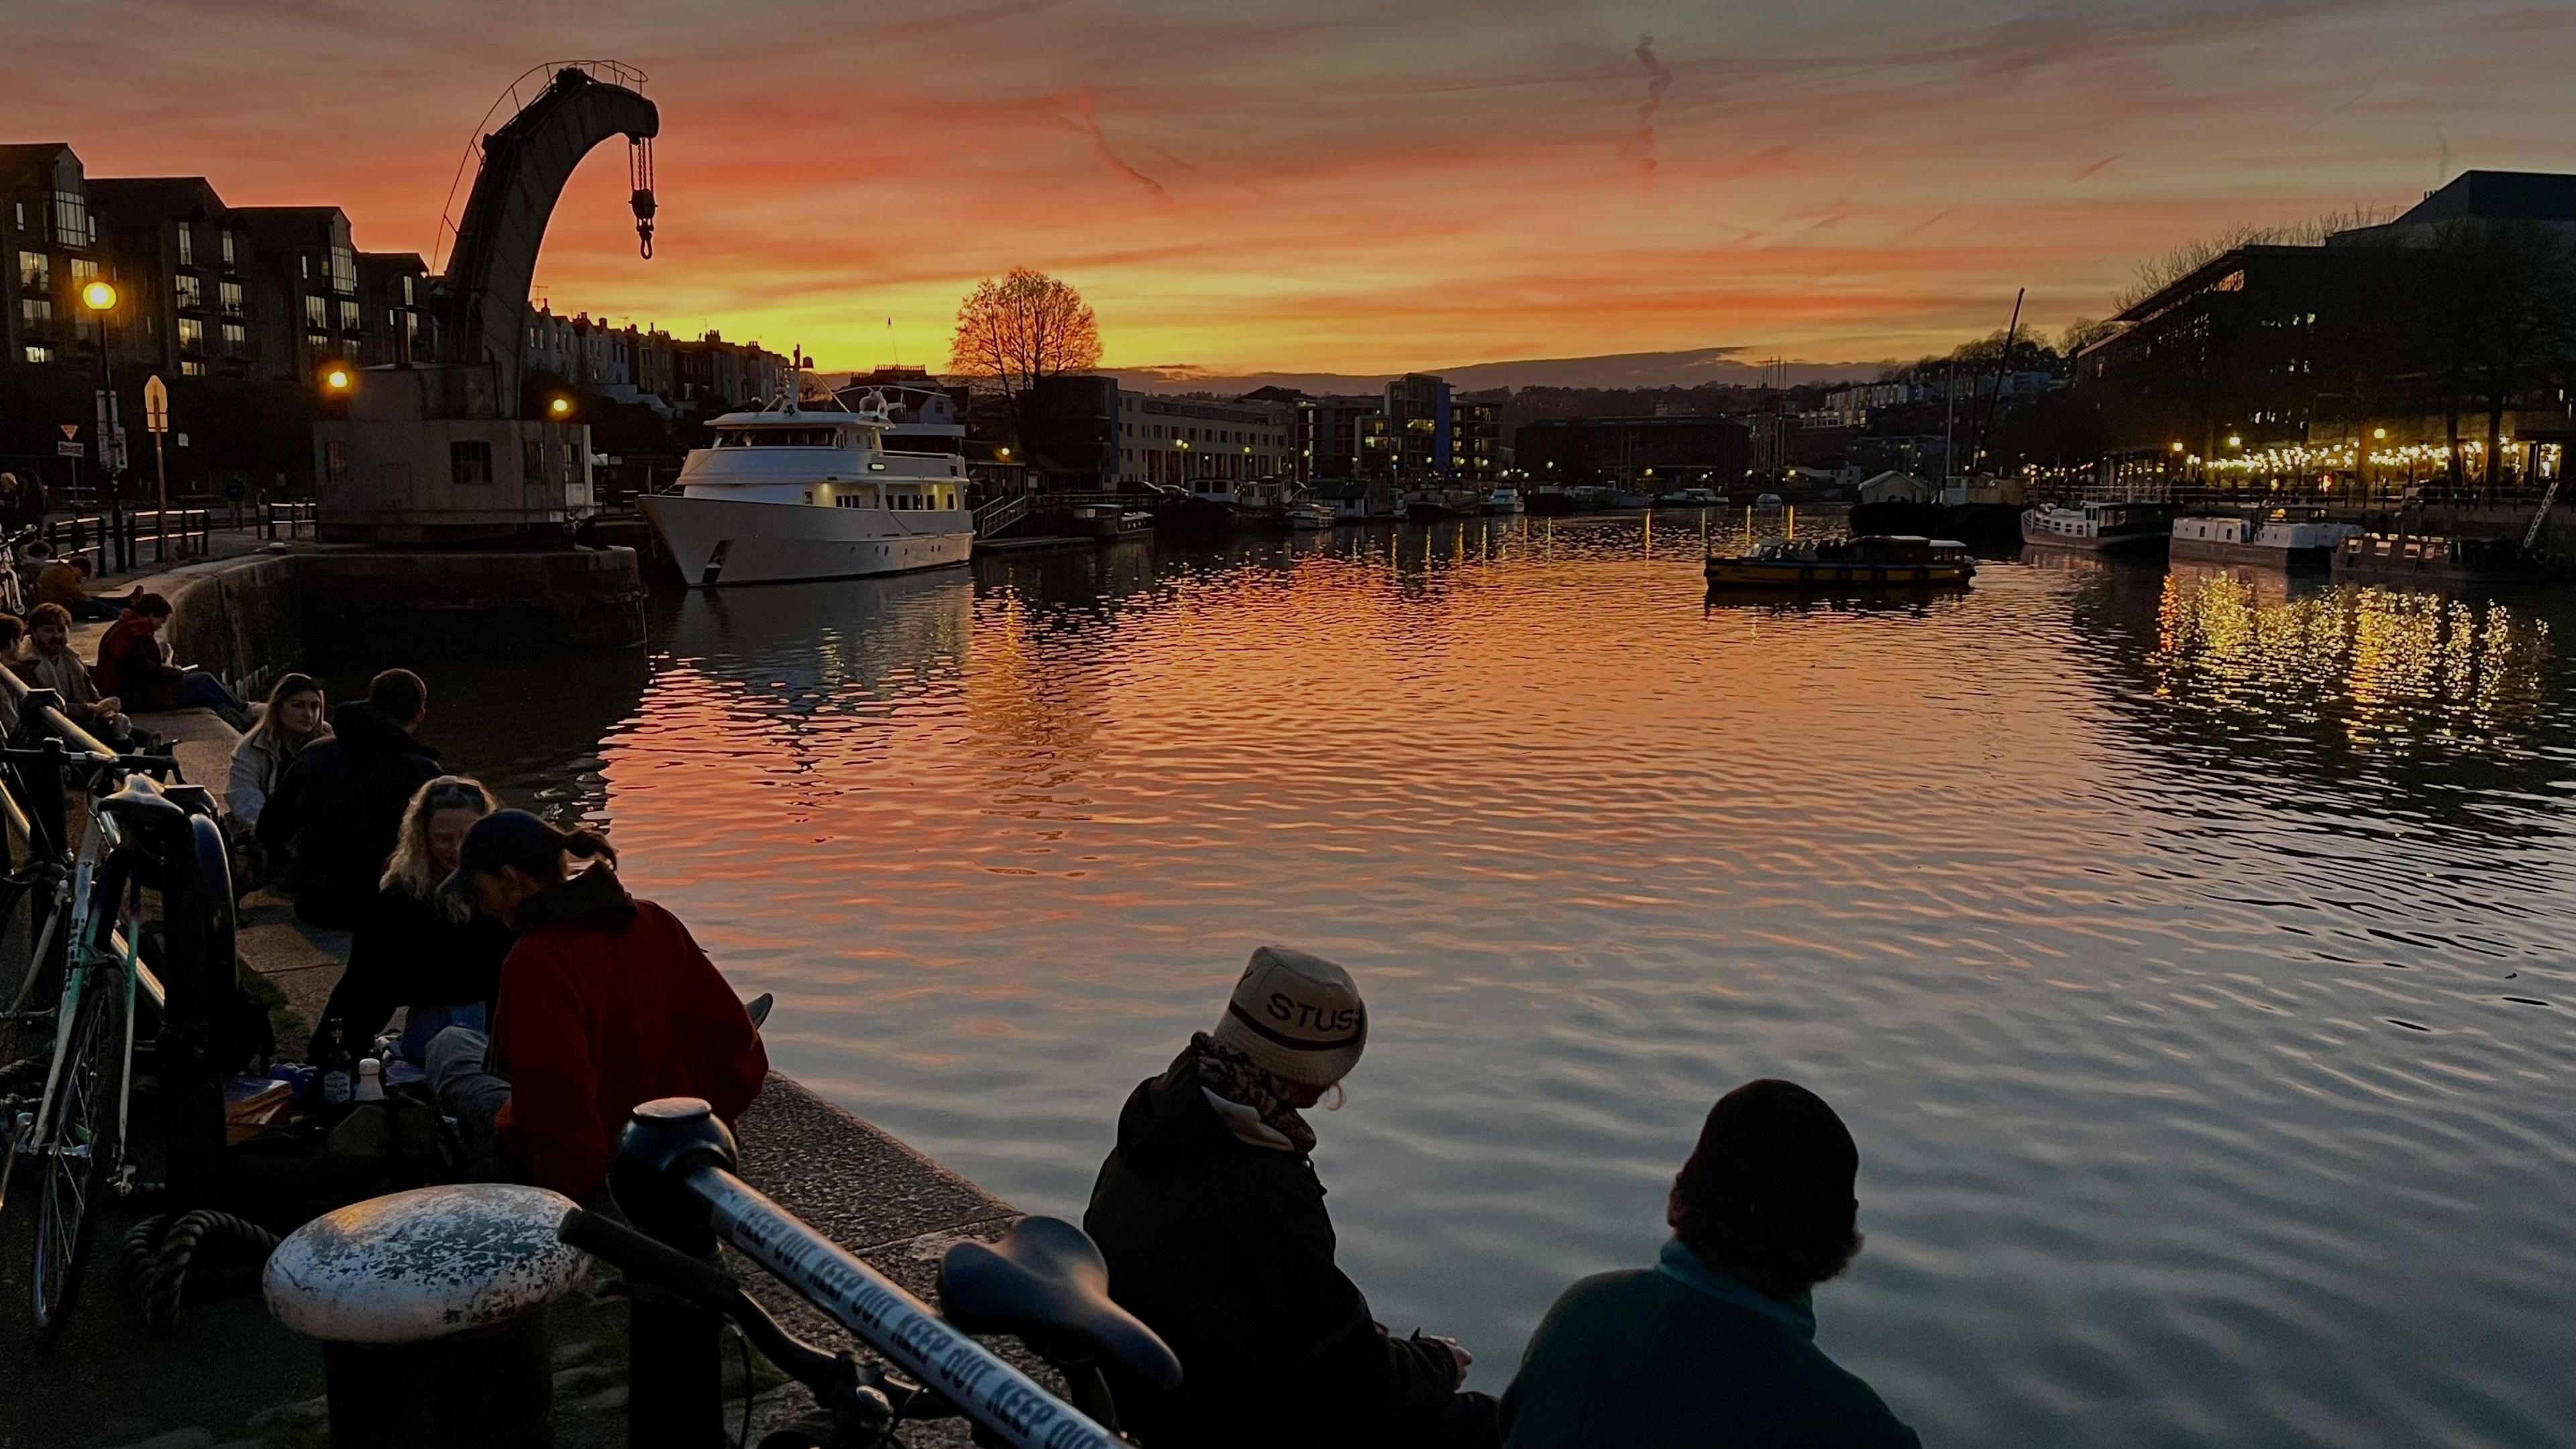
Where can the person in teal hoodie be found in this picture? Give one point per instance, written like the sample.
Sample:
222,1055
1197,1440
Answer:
1714,1346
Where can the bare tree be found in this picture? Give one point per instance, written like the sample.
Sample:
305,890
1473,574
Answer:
1026,326
2159,272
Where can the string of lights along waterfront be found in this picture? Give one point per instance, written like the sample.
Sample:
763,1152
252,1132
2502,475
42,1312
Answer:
2186,948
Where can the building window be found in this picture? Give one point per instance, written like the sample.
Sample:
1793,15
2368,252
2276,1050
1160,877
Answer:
344,270
317,312
38,352
230,294
407,296
192,335
71,219
187,289
532,462
228,249
35,272
36,311
191,367
319,342
335,463
350,318
84,272
187,246
236,339
469,464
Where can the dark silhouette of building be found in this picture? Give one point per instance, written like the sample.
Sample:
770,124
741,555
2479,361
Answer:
1691,451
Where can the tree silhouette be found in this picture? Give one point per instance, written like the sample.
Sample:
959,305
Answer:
1019,329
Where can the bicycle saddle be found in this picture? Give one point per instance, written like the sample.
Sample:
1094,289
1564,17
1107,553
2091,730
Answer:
1043,1282
139,800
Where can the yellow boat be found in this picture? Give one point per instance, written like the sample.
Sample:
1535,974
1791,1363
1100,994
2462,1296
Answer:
1873,562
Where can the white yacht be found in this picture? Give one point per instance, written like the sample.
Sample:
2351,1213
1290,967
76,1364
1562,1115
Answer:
797,493
1506,499
2284,541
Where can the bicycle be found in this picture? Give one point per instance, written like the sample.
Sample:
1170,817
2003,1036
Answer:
1042,1282
85,962
13,595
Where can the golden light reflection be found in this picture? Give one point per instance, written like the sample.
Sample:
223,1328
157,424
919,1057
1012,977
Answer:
2395,669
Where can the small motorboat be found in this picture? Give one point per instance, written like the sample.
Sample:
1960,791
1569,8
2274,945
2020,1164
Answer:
1109,521
1875,562
1505,499
1306,515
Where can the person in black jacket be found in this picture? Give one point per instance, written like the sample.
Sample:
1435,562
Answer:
341,803
1212,1221
420,947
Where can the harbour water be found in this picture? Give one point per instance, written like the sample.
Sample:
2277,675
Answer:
2189,954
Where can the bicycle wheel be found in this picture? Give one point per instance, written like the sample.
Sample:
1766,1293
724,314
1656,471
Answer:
31,961
78,1148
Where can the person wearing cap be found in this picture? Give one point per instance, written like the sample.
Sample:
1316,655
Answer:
605,1003
1212,1220
1714,1347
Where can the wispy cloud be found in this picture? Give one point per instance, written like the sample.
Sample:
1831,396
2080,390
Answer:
2096,166
1109,157
1639,149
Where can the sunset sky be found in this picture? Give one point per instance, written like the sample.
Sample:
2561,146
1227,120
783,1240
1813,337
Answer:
1338,185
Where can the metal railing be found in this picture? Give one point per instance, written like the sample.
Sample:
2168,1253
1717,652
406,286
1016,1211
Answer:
1001,514
113,542
296,518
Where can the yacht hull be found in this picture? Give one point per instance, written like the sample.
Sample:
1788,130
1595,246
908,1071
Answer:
725,541
2316,559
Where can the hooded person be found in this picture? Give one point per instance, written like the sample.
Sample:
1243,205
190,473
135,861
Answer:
1212,1220
1714,1346
340,805
606,1003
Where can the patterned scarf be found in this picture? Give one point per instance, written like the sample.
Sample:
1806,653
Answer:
1227,1073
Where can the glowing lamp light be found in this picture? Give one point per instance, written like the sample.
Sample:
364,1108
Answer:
337,379
1006,452
2378,433
2234,441
2177,447
98,296
560,407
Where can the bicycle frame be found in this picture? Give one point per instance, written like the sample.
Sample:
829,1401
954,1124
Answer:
86,963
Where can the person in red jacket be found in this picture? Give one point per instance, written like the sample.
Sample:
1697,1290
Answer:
605,1003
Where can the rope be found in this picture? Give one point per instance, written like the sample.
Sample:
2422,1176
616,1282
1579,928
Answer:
160,1255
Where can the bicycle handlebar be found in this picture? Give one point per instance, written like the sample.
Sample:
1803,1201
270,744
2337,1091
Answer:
659,1265
889,1320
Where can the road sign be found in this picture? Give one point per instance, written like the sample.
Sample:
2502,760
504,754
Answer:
70,450
156,404
70,430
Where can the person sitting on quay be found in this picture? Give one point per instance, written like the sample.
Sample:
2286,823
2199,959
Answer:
291,721
422,947
606,1003
65,583
1213,1224
340,806
49,663
1714,1347
133,665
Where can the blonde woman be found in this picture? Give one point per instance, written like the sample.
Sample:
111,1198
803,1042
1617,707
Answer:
418,947
292,721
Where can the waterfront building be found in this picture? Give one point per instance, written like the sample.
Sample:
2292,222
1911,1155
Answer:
2275,363
302,256
48,245
1702,450
1170,441
1476,450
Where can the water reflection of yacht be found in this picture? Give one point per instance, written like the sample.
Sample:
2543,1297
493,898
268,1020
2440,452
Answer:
816,636
789,493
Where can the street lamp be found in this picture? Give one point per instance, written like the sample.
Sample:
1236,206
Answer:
100,298
561,407
337,379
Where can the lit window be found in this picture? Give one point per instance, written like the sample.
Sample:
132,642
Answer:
37,352
187,248
191,367
35,272
230,294
317,313
228,249
71,219
187,289
236,338
35,311
192,334
349,316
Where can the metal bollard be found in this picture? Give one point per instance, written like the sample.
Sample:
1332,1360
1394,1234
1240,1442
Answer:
675,1387
430,1306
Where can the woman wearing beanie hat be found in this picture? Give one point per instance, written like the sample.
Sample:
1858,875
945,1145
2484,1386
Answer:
1714,1347
1213,1223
